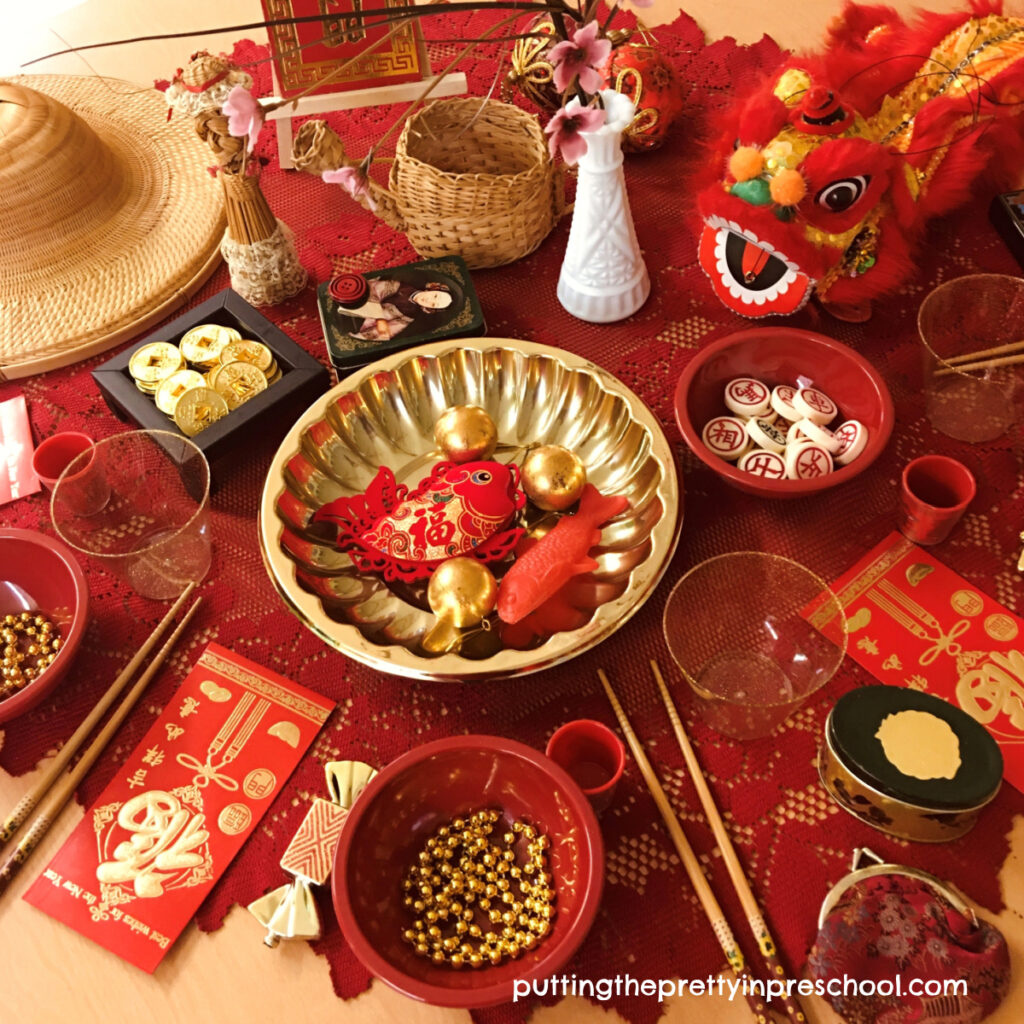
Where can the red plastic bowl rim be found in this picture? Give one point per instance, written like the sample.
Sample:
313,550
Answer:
14,706
500,992
876,443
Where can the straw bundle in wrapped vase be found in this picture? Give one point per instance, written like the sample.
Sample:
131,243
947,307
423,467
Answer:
258,248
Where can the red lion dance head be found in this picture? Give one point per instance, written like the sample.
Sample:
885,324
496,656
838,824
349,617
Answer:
835,163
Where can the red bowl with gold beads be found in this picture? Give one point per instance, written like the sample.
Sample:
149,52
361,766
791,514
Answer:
40,574
405,804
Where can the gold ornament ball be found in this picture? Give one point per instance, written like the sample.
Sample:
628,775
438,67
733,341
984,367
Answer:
553,477
466,433
463,591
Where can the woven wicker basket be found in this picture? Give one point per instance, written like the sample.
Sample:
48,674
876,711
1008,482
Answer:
473,177
470,177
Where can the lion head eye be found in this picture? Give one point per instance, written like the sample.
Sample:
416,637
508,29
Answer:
842,194
481,476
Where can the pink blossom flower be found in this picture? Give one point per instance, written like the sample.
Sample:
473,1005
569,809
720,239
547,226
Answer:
580,56
565,127
353,181
642,3
245,115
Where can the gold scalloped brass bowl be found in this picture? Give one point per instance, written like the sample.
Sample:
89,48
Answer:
385,415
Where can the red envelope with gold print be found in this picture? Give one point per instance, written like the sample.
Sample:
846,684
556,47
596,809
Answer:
135,870
912,621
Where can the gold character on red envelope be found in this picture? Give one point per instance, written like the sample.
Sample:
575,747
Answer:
993,688
259,783
166,841
233,819
457,510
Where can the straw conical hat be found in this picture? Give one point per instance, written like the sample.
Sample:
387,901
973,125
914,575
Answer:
109,217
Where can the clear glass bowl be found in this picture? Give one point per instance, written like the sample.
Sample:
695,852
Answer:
138,504
972,389
738,627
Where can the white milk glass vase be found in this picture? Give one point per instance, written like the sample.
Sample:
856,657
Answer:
603,276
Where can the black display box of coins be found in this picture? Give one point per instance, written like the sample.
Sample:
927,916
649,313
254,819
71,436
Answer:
211,374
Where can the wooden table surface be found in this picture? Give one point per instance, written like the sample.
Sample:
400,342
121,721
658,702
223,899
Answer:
50,974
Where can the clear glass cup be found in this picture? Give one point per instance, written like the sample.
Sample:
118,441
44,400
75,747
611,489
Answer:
972,382
138,503
738,627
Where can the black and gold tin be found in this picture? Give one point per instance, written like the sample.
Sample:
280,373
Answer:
908,763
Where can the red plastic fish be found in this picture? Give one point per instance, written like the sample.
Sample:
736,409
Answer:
405,535
826,175
558,614
557,556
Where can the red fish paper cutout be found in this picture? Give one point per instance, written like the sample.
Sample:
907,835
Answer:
558,556
457,510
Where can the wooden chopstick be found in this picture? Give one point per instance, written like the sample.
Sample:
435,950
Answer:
997,350
713,912
758,928
60,795
984,364
70,748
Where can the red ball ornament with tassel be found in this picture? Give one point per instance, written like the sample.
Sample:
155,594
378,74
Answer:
635,68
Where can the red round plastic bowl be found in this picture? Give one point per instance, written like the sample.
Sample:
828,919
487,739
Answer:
779,355
47,571
405,804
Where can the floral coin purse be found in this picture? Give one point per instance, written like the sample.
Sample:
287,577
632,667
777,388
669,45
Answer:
915,949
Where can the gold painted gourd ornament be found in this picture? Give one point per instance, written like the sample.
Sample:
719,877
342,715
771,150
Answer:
462,592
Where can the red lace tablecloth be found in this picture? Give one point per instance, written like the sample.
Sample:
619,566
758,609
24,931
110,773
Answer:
793,842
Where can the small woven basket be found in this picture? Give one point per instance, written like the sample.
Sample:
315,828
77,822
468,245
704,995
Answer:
474,177
470,177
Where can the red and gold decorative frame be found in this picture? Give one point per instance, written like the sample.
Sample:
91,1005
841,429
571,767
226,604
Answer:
301,61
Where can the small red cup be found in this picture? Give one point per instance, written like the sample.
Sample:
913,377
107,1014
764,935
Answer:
935,491
66,465
592,755
55,454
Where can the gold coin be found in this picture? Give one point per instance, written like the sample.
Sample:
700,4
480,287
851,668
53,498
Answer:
197,409
247,351
172,388
204,344
272,375
151,363
237,382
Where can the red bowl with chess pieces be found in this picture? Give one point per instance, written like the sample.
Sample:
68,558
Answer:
438,788
42,590
855,424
